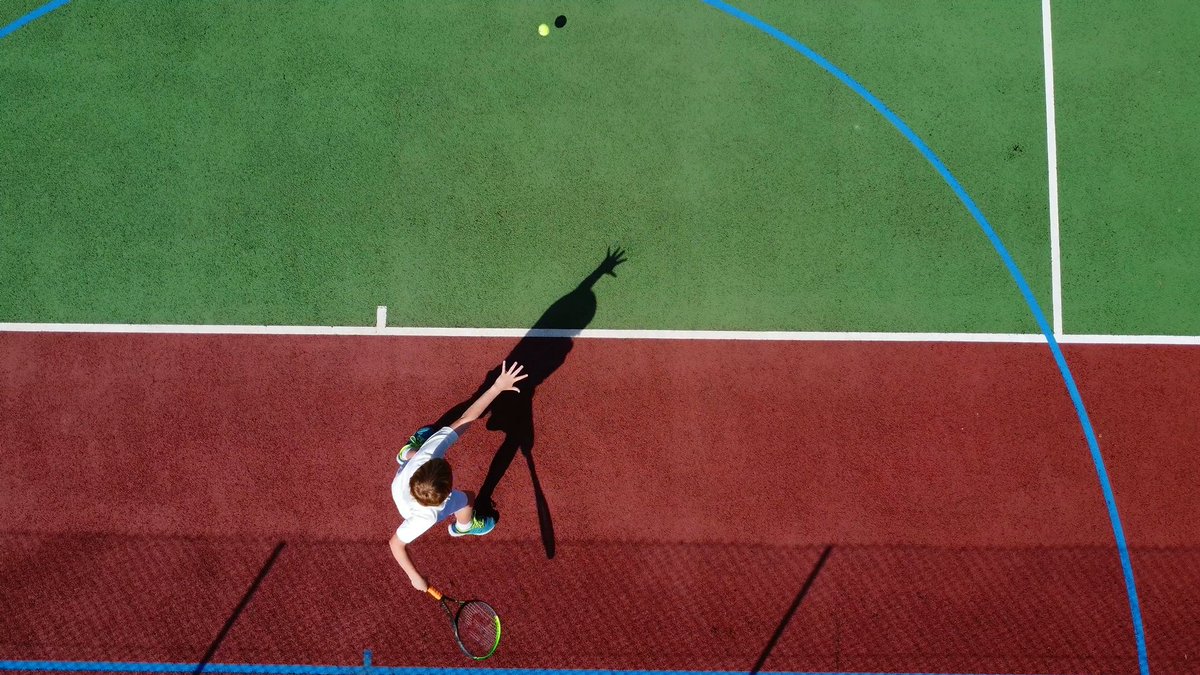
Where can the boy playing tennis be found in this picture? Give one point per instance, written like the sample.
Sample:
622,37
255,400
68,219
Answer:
423,486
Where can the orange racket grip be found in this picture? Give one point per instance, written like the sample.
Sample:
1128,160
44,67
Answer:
437,595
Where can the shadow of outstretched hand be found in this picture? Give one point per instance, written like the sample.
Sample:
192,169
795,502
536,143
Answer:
611,260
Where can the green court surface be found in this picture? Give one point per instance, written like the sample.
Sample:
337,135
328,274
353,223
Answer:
298,164
1129,164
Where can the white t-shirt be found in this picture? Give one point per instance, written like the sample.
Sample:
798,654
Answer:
418,517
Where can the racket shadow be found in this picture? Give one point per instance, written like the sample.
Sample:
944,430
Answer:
512,414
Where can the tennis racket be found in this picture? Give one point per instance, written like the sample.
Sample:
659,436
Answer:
476,625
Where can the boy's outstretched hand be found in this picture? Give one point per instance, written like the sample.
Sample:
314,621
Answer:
505,381
509,377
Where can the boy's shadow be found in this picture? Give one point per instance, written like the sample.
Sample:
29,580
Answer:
540,352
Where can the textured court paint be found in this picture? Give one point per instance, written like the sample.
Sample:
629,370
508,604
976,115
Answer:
1022,285
1008,610
272,669
125,598
362,601
32,16
1049,610
326,601
238,164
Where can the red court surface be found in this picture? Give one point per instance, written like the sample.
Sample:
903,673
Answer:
119,599
692,487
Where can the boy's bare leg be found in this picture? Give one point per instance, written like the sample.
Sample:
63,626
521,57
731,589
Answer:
464,515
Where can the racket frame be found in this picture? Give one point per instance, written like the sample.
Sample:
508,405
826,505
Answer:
444,600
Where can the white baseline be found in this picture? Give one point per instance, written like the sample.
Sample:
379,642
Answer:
593,333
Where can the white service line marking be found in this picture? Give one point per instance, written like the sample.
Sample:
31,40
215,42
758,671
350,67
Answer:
594,333
1056,307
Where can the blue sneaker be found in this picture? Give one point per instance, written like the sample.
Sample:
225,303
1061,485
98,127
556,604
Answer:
414,443
479,527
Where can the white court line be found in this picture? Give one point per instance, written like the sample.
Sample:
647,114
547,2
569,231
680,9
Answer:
381,317
1052,161
595,333
1129,339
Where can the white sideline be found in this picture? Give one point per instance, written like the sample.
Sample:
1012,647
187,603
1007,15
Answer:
1056,307
594,333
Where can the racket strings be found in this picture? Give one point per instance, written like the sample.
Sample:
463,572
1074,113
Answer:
478,628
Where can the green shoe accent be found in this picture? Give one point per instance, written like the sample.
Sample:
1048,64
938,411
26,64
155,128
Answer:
479,527
414,443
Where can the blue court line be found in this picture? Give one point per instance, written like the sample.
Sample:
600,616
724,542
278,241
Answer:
253,669
32,16
1034,307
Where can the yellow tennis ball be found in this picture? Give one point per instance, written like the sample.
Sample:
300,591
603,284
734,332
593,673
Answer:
543,30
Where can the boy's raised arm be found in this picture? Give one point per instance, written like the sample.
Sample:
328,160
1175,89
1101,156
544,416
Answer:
505,381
